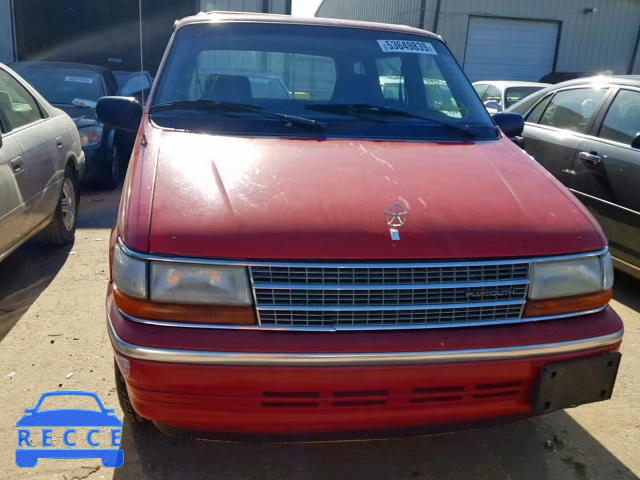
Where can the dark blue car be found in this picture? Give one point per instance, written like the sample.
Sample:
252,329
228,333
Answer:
102,418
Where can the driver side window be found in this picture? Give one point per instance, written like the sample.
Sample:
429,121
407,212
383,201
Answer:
17,106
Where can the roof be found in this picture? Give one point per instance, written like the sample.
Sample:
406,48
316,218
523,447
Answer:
507,84
66,65
244,17
629,80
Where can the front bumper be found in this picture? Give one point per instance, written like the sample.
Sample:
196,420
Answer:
95,156
294,383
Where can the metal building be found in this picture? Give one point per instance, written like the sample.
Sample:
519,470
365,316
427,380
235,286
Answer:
517,39
6,32
119,34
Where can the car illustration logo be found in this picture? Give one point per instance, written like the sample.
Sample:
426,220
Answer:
396,216
101,425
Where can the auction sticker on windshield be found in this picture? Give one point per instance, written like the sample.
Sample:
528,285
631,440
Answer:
405,46
78,79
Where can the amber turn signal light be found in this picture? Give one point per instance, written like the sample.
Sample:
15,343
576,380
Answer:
176,313
564,305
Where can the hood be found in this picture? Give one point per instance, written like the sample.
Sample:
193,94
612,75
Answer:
82,117
248,198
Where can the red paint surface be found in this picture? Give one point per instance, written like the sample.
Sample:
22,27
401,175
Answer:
268,400
207,196
229,197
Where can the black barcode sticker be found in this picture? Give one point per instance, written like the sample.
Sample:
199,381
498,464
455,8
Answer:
405,46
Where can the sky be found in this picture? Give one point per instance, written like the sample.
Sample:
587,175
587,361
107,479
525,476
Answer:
305,8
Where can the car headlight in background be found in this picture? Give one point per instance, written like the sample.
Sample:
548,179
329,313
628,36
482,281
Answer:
181,292
572,285
90,136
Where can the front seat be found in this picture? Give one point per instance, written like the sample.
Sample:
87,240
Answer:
6,108
231,88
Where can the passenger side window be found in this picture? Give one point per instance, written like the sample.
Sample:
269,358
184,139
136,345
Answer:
572,109
17,105
622,122
535,114
492,95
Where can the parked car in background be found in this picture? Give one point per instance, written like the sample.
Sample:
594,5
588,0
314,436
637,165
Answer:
350,264
41,163
134,84
75,88
499,95
559,77
586,132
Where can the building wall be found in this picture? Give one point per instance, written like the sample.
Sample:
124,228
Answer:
6,32
273,6
589,42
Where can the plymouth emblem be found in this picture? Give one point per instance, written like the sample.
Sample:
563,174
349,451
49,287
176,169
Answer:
396,217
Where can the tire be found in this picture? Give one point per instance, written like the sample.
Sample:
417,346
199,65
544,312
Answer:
123,398
110,175
62,228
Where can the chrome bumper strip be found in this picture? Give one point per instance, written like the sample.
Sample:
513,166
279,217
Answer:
354,359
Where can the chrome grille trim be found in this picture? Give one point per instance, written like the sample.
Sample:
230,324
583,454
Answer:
398,274
276,286
357,297
266,297
433,315
453,306
338,328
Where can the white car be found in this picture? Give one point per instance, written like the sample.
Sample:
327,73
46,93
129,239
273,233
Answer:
41,162
498,96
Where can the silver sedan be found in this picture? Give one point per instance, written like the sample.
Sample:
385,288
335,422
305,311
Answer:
41,162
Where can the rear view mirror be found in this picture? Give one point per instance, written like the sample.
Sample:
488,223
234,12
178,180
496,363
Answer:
511,124
120,112
493,105
635,143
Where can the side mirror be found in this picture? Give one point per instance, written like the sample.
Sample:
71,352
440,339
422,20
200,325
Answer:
635,143
120,112
511,124
493,105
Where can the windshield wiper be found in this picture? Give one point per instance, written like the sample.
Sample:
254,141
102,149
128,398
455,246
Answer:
366,109
225,107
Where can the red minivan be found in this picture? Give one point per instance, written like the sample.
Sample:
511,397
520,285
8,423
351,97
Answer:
363,254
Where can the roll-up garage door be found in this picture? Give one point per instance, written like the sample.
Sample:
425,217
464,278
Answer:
501,49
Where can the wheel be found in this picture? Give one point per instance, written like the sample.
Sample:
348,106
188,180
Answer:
110,176
123,398
62,228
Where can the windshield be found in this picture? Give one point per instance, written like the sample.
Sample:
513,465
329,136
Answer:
360,83
515,94
64,86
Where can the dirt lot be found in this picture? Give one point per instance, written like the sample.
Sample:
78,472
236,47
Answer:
52,324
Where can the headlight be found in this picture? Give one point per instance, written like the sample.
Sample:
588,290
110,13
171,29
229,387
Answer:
129,274
90,136
565,278
199,284
579,284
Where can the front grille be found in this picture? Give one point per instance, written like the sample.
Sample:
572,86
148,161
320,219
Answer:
355,296
394,275
366,318
410,296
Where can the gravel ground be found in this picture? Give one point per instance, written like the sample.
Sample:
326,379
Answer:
52,324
